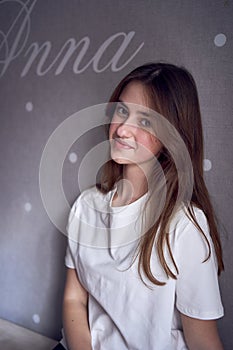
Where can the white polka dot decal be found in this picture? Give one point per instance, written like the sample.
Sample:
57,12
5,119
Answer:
220,40
29,106
27,206
207,165
36,318
73,157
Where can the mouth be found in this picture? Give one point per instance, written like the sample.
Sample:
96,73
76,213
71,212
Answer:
120,143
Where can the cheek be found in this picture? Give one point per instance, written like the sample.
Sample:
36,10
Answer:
146,139
157,146
152,144
112,130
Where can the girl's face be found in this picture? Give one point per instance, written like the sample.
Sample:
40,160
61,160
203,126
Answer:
131,131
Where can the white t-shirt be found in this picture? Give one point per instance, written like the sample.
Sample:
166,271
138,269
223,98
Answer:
123,312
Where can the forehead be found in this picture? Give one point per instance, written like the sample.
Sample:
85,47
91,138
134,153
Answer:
134,92
135,97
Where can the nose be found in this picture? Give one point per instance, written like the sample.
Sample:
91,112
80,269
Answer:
125,130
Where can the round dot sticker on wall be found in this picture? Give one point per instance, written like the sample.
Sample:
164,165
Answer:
27,206
207,165
73,157
220,40
36,318
29,106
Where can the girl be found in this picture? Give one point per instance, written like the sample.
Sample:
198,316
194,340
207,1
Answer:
151,282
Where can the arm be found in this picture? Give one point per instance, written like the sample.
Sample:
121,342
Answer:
201,334
75,319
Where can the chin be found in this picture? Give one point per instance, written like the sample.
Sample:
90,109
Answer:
121,161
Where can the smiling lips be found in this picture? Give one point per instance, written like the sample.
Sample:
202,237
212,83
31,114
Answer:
120,143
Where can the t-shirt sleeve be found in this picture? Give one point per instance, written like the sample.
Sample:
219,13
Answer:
197,288
71,228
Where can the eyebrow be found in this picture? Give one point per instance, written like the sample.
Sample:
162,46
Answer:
145,114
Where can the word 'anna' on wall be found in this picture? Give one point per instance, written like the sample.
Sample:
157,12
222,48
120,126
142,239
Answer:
14,40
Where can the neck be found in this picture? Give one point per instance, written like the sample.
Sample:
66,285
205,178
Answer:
132,186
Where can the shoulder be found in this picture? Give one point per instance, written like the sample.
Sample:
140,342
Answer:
188,234
191,240
86,213
89,193
90,204
90,197
182,221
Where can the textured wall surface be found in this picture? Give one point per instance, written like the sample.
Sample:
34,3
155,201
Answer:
58,57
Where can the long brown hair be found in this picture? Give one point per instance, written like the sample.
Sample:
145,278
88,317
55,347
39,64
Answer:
172,92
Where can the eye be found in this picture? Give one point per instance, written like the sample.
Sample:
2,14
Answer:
145,122
122,111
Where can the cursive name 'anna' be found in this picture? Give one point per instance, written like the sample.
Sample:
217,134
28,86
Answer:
38,55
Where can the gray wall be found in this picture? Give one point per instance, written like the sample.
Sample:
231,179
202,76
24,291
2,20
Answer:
37,96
